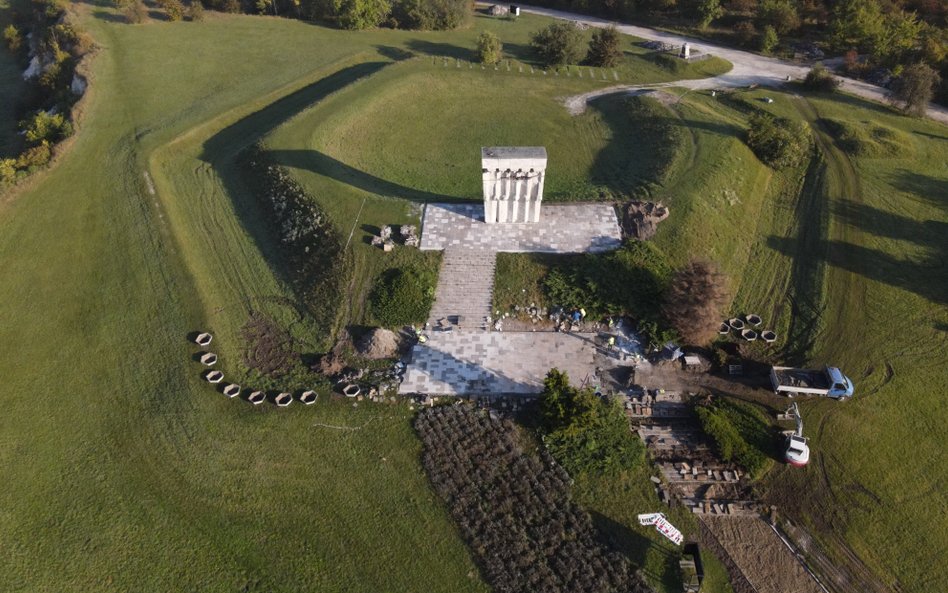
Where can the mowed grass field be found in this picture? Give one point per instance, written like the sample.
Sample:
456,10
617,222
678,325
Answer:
124,471
844,257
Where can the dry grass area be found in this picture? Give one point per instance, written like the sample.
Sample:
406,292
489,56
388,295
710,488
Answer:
761,557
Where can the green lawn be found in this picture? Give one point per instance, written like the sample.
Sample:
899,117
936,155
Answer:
841,256
124,471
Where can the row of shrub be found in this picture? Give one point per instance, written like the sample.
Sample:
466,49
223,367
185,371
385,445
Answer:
47,41
740,432
515,511
313,255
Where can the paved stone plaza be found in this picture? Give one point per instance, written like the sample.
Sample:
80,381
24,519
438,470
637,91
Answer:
476,363
563,228
470,359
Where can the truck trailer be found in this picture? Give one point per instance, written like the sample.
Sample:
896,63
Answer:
827,382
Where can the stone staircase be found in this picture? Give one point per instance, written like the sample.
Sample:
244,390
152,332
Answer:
464,297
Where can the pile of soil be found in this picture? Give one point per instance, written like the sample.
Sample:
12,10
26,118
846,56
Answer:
378,343
640,219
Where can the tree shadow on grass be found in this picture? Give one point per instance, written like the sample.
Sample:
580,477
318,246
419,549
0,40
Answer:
634,546
923,277
109,17
441,50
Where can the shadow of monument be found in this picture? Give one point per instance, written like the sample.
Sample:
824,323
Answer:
472,378
323,164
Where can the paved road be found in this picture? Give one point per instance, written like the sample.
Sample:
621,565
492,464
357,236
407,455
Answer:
749,68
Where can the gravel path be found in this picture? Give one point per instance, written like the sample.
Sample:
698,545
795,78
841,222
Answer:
749,68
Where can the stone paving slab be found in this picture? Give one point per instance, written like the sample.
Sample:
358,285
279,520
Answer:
563,228
474,363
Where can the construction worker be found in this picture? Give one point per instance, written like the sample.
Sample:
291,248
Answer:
582,313
612,342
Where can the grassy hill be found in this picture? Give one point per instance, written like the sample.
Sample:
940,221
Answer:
138,476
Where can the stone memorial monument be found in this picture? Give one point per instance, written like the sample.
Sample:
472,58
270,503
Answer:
513,183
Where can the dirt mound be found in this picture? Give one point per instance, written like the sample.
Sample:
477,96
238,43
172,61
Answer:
378,343
640,219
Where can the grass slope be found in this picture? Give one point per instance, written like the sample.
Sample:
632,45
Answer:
844,257
136,475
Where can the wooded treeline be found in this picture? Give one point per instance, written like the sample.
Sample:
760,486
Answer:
879,38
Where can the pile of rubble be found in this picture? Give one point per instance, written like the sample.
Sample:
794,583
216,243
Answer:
408,233
640,219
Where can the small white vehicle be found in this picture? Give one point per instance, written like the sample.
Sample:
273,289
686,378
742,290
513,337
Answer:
798,452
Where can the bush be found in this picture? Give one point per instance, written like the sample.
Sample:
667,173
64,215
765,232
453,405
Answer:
695,302
135,12
13,38
35,157
557,44
431,15
196,11
362,14
769,40
45,126
746,32
778,142
820,79
780,15
740,432
403,296
7,170
488,48
604,48
173,8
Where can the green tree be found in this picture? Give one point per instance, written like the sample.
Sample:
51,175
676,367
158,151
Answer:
780,14
914,88
46,126
769,40
555,400
362,14
557,44
13,39
604,48
854,22
488,48
708,11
